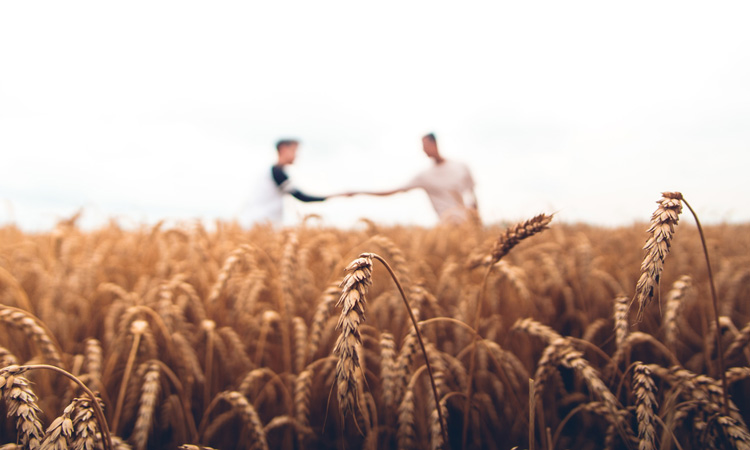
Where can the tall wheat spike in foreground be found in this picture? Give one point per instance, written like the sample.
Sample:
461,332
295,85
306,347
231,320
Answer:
352,301
515,234
657,247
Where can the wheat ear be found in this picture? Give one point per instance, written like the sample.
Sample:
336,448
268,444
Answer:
675,300
621,320
302,392
21,403
137,328
93,359
352,302
645,406
149,394
299,329
388,369
322,311
511,237
518,232
739,342
98,414
7,358
226,271
35,330
60,432
657,246
249,415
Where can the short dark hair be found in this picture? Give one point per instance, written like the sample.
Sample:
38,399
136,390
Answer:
430,136
285,143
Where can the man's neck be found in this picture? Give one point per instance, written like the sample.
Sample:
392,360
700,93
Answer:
438,159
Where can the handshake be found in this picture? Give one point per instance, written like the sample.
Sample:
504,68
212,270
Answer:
345,194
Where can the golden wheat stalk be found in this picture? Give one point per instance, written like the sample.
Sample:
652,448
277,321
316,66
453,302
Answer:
302,392
35,330
621,320
22,404
84,425
739,342
657,246
388,369
138,328
352,303
149,397
320,317
518,232
645,405
60,432
675,300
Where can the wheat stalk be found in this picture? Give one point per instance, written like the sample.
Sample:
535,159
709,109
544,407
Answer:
645,403
739,342
302,391
149,395
60,431
7,358
518,232
249,416
352,302
22,404
675,300
93,359
388,369
657,246
322,311
300,343
35,330
226,271
84,425
138,328
621,320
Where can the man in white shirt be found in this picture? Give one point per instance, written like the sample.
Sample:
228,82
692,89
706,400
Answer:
448,184
267,205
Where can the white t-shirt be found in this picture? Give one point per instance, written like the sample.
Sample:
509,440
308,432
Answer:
266,201
266,204
450,187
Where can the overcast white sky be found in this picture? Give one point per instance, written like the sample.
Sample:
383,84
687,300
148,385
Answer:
143,110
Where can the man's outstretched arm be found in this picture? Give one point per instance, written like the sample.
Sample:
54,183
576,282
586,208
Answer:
282,181
301,196
381,193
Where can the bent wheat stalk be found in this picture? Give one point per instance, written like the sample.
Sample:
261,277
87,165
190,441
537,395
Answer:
715,301
511,237
421,343
352,300
98,413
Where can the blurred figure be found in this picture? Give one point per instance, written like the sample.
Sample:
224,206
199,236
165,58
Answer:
275,183
448,183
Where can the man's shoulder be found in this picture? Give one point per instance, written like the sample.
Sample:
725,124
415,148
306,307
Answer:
457,165
279,175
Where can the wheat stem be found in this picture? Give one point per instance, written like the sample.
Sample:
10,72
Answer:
715,302
421,342
98,413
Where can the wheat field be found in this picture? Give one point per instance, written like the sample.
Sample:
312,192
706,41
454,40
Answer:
540,335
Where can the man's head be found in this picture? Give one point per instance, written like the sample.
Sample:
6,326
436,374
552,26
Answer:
287,149
429,145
